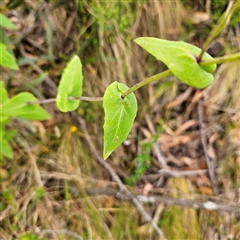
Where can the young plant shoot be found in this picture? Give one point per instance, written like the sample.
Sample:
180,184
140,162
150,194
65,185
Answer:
190,64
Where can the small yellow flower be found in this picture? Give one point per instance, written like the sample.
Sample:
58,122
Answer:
73,129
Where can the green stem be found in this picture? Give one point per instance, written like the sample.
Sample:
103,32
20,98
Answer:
147,81
159,76
219,60
228,58
89,99
223,21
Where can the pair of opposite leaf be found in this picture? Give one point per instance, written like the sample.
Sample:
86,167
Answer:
180,58
119,113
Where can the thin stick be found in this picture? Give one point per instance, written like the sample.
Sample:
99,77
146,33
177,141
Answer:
61,231
189,173
211,204
201,202
157,150
123,188
204,144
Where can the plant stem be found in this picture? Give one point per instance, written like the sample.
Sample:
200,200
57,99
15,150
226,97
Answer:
159,76
227,58
90,99
147,81
223,21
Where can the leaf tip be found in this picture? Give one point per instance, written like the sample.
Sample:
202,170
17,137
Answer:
106,155
16,68
140,41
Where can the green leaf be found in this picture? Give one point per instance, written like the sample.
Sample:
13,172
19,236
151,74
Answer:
119,116
5,149
5,22
18,106
180,58
3,93
5,137
10,134
6,59
4,39
70,86
3,99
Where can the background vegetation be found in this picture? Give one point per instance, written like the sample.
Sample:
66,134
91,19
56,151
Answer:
53,188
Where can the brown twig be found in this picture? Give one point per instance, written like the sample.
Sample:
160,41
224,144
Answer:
204,144
157,150
210,202
61,231
122,187
211,205
172,173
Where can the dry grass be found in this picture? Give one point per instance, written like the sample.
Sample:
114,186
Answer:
42,189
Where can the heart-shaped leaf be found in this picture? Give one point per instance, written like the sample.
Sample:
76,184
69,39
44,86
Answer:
70,86
181,59
119,116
